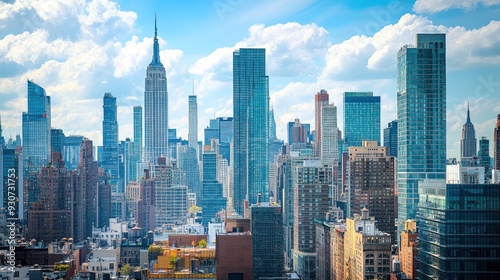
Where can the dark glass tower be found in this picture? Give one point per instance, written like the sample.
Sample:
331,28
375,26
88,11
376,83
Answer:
391,138
110,155
468,148
211,199
496,145
155,108
484,157
459,232
421,100
251,123
361,118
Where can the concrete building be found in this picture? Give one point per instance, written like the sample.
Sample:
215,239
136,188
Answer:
370,183
408,251
321,98
460,174
367,251
311,187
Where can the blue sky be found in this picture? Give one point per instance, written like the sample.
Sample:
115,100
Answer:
78,49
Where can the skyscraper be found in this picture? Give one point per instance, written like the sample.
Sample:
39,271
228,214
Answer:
468,149
193,122
391,138
321,98
137,145
110,155
496,145
361,118
484,157
251,122
329,153
421,102
155,108
36,129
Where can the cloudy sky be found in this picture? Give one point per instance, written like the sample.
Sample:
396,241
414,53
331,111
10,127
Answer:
78,49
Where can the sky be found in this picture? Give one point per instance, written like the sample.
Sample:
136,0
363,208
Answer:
79,49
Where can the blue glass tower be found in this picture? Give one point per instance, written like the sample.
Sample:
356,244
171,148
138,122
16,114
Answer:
391,138
36,129
421,100
110,154
361,118
251,123
137,145
212,200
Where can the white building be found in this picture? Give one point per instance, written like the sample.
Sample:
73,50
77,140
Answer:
458,174
329,152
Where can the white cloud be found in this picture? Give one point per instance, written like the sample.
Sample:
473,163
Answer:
434,6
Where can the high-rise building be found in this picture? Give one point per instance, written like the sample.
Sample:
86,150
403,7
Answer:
193,122
321,98
272,125
456,239
267,240
391,138
36,129
367,251
421,102
110,155
361,118
251,123
146,203
51,218
2,139
57,140
71,151
155,108
484,157
468,143
408,254
370,184
329,153
170,198
311,190
11,174
136,156
496,145
212,200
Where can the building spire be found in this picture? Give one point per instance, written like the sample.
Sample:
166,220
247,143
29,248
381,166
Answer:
156,48
468,113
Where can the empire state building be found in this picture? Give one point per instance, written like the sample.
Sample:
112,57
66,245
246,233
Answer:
155,108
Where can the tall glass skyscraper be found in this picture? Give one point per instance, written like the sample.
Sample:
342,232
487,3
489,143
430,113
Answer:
484,157
110,155
135,173
361,118
251,123
36,129
155,108
193,122
391,138
421,100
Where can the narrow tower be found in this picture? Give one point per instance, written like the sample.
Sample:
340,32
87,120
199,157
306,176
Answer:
155,107
468,149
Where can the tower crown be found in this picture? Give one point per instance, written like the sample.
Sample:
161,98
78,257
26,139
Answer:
156,49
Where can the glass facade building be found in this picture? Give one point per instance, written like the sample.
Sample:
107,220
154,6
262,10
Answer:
459,231
136,156
193,122
110,154
212,200
36,129
421,100
155,108
484,157
391,138
251,123
361,118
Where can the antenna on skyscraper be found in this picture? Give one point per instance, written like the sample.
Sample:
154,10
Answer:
155,26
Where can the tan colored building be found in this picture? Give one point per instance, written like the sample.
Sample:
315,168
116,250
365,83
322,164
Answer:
408,251
367,251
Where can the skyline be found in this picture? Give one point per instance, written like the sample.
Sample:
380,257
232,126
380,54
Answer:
109,52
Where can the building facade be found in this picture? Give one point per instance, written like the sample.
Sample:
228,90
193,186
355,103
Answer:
496,145
361,118
421,136
321,98
457,239
193,122
484,159
110,156
468,143
155,108
391,138
251,123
